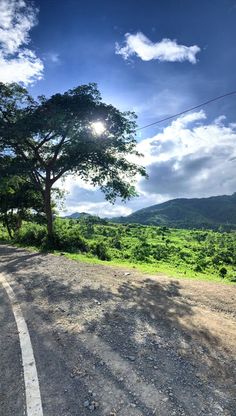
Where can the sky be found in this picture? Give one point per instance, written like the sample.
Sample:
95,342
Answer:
154,57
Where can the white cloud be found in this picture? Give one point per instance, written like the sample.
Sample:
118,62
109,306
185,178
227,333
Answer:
191,158
18,64
165,50
84,197
25,68
102,209
71,182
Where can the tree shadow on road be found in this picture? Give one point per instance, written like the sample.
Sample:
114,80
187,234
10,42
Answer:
129,342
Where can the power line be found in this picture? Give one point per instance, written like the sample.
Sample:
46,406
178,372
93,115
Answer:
186,111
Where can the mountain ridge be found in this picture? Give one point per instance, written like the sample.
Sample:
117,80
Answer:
207,212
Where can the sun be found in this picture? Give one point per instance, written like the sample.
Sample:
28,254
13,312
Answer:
98,127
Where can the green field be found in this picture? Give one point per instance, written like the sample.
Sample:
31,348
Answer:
207,255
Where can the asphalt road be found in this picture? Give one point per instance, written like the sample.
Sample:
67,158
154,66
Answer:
12,400
108,344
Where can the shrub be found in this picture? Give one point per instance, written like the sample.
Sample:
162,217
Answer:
198,268
160,252
100,249
141,251
223,272
116,243
31,234
69,239
184,254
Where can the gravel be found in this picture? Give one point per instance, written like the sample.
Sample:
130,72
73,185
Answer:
116,342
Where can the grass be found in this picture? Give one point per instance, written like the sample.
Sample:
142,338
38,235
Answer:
161,268
195,254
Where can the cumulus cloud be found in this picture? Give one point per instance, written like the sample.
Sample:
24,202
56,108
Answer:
165,50
191,158
83,197
18,63
102,209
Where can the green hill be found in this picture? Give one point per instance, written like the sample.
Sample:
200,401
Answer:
212,212
76,215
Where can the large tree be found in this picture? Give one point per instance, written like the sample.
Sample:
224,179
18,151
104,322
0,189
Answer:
56,136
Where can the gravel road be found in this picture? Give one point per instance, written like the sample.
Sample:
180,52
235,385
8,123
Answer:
115,342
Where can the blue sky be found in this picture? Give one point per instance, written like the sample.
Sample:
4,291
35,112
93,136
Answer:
154,57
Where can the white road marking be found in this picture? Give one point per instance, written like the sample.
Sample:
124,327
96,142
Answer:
32,391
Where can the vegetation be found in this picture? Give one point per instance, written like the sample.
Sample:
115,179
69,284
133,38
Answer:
209,213
55,136
42,140
18,196
192,253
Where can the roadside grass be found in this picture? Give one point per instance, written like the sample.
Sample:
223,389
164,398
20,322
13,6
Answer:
152,269
194,254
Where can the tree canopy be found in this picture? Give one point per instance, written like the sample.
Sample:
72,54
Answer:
55,136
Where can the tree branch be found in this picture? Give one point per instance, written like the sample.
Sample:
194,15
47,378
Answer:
58,176
59,146
46,139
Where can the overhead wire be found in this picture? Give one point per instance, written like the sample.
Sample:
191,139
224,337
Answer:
186,111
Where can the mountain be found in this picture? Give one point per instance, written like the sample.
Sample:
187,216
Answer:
212,212
76,215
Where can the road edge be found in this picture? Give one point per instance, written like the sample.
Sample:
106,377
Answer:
32,389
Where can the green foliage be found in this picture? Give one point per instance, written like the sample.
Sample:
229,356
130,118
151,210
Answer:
67,237
190,252
223,272
18,196
141,251
100,249
160,252
55,136
32,234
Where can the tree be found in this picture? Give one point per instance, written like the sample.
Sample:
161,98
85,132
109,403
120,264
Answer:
55,137
17,194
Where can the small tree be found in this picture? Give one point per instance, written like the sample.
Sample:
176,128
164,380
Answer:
18,195
55,137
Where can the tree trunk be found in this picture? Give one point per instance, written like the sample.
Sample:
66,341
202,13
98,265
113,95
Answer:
8,226
19,221
48,210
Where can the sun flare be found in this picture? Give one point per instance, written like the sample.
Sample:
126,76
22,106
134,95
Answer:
98,127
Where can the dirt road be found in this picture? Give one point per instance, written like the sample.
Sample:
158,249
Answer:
113,342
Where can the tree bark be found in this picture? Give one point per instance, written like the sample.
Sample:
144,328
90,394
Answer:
48,209
8,226
19,221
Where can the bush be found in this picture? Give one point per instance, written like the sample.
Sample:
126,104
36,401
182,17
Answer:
116,243
198,268
32,234
160,252
141,252
223,272
100,249
68,239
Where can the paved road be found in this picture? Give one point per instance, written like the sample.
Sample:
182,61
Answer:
12,401
108,346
